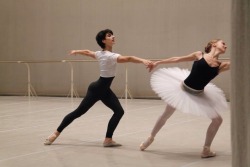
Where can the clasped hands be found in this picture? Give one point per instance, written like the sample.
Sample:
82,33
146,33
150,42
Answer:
150,65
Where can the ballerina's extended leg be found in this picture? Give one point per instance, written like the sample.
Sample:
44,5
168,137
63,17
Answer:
169,110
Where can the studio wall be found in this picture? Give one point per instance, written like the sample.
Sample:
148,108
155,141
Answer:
46,30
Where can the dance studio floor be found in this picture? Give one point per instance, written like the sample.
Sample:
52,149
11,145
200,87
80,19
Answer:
24,124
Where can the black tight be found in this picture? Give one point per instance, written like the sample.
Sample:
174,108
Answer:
98,90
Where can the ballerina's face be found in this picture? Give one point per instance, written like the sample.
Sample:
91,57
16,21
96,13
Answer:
221,45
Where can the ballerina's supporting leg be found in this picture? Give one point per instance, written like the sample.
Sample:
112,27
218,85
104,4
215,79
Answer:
169,110
211,132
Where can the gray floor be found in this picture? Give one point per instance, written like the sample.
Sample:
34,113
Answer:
24,124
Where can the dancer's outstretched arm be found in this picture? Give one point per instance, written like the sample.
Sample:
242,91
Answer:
133,59
224,66
86,52
120,59
177,59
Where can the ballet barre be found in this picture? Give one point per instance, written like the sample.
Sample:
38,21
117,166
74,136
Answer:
31,90
72,92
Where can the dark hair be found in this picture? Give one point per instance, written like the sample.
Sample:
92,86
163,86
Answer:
101,36
210,44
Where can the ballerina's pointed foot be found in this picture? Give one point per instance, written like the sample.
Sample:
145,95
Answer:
51,139
206,153
146,143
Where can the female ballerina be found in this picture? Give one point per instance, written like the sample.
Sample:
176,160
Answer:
100,89
191,92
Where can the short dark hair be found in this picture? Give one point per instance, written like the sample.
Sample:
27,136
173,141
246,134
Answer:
101,36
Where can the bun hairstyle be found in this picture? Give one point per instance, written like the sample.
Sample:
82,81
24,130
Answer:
210,44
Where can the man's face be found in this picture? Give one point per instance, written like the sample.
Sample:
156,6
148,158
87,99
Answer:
109,40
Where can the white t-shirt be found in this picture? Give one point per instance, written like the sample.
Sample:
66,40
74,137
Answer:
107,63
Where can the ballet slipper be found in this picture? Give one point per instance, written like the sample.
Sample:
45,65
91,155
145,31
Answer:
206,153
147,143
111,144
50,139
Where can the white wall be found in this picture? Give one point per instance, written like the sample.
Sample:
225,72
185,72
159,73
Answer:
48,29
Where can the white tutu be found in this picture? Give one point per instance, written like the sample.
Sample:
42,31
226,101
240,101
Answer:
166,82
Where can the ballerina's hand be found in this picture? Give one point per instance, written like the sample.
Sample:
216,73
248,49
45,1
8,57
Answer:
148,63
152,66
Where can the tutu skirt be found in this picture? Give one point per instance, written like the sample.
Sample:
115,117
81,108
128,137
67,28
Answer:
167,83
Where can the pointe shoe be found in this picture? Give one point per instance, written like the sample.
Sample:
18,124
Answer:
147,143
206,153
50,139
111,144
